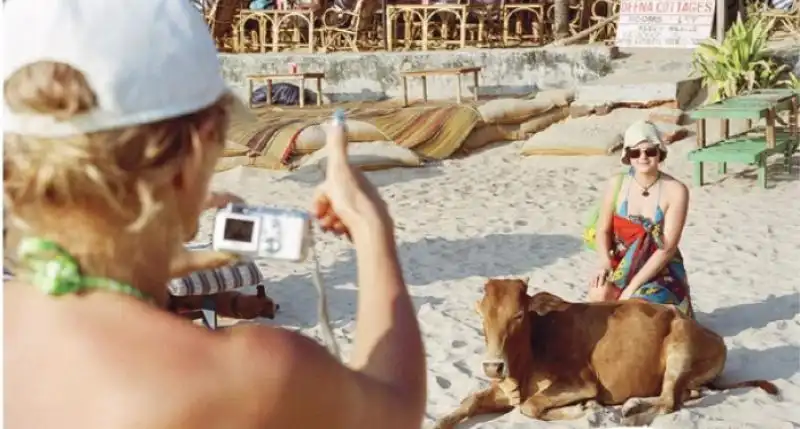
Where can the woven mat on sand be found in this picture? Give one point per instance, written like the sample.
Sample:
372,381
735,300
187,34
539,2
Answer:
433,131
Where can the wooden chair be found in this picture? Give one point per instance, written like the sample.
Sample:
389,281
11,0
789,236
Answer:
788,20
484,23
524,23
344,29
221,18
601,10
579,11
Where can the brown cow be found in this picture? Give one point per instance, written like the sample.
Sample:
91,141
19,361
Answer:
545,354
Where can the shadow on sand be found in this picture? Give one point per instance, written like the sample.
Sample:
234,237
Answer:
742,363
490,256
730,321
312,176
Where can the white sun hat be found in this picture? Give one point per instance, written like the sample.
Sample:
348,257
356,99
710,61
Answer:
642,132
145,60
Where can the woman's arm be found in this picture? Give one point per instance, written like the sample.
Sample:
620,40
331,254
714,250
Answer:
674,220
604,222
297,383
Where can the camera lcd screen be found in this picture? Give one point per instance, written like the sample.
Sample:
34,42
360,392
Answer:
238,230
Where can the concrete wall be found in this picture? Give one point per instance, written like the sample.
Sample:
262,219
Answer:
373,75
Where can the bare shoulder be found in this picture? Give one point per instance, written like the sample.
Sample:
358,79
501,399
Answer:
282,371
281,349
674,189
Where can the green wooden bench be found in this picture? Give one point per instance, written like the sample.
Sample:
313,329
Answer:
755,145
748,149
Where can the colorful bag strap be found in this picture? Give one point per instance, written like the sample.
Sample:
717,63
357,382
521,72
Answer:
617,188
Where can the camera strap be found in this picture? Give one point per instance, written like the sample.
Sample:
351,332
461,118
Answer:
322,305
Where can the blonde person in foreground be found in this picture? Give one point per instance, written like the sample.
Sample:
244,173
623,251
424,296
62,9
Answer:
114,117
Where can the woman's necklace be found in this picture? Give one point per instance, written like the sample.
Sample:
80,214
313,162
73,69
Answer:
55,272
646,189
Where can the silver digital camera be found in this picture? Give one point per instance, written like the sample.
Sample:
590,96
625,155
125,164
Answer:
262,232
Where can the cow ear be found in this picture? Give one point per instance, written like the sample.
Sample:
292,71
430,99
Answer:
525,280
543,303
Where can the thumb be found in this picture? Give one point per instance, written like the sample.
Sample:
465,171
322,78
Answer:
336,143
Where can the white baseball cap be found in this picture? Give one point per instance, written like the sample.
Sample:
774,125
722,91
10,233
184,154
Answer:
641,132
146,60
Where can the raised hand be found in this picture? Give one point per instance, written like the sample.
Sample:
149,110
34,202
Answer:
347,203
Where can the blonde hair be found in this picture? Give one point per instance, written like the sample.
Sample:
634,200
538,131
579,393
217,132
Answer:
119,171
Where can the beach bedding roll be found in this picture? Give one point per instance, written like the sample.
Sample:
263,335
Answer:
209,282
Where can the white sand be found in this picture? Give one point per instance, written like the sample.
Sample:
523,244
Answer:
499,214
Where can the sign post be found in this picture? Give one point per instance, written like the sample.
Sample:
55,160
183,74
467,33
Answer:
721,24
664,23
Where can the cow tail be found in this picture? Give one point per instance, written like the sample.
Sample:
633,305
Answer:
762,384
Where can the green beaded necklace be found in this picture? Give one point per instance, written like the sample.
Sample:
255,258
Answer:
55,272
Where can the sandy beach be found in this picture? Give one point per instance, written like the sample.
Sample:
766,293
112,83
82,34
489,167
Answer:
496,213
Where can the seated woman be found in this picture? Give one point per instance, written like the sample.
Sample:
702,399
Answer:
637,239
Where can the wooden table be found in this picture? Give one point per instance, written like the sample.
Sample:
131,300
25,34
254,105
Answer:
288,76
423,74
755,145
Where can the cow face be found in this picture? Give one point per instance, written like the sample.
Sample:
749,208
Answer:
503,309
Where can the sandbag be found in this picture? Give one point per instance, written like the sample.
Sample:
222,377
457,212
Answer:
540,123
312,138
491,133
377,155
513,111
559,97
599,142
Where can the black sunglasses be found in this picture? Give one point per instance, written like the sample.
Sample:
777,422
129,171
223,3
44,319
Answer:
650,152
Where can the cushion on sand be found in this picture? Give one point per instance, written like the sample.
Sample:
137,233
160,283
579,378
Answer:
490,133
553,142
312,138
513,111
377,155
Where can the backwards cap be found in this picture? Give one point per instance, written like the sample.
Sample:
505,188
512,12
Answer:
145,60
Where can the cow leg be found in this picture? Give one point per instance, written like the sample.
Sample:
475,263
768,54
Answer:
570,412
557,395
674,387
487,401
510,388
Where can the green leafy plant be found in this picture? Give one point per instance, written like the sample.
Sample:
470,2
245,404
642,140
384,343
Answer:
740,63
791,81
